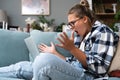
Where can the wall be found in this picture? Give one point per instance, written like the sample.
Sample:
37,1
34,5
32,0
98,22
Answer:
58,11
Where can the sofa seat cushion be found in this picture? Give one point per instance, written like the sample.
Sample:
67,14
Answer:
3,78
114,78
13,48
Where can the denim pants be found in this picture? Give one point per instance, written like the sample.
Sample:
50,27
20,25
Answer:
21,70
45,67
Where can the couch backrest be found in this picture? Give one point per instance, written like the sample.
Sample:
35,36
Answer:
12,47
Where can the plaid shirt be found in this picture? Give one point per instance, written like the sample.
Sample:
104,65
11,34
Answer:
99,47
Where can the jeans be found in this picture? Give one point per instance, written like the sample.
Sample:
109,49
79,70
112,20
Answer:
21,70
45,67
50,67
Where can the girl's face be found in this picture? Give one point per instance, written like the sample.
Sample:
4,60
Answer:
80,25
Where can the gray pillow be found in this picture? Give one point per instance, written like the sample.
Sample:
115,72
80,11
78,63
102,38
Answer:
37,37
47,37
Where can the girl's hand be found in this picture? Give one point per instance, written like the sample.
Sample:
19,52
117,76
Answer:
66,42
49,49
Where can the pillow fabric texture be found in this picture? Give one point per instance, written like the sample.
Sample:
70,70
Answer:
115,73
37,37
115,65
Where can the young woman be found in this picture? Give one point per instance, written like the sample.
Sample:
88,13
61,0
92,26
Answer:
92,48
92,54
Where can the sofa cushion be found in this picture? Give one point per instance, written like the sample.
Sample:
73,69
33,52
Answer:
115,65
115,73
13,48
46,37
3,78
113,78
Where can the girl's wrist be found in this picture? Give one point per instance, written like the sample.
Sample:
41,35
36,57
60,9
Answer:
72,50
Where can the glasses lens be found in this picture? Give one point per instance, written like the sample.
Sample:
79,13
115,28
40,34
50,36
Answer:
69,26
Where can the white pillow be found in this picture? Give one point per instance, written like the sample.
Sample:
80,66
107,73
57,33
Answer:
115,65
32,47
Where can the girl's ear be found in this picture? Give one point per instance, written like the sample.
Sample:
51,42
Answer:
85,18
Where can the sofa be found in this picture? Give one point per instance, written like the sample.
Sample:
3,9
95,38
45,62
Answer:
18,46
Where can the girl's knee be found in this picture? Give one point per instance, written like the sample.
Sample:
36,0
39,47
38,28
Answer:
45,59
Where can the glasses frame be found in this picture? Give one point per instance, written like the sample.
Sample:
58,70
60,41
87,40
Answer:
72,23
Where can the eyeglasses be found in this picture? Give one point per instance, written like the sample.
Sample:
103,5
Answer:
72,23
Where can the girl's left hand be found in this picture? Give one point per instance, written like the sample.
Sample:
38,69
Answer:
44,48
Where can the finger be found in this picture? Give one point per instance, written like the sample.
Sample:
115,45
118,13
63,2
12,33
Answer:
52,44
42,44
65,35
42,51
60,40
41,48
62,36
59,45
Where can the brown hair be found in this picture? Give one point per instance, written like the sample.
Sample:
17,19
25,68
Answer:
81,11
85,3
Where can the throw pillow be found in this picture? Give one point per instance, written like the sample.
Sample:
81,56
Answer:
115,65
47,37
115,73
37,37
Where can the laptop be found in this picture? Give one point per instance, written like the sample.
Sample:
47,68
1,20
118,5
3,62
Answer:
32,47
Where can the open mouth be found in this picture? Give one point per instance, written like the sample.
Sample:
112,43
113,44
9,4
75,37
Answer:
76,31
